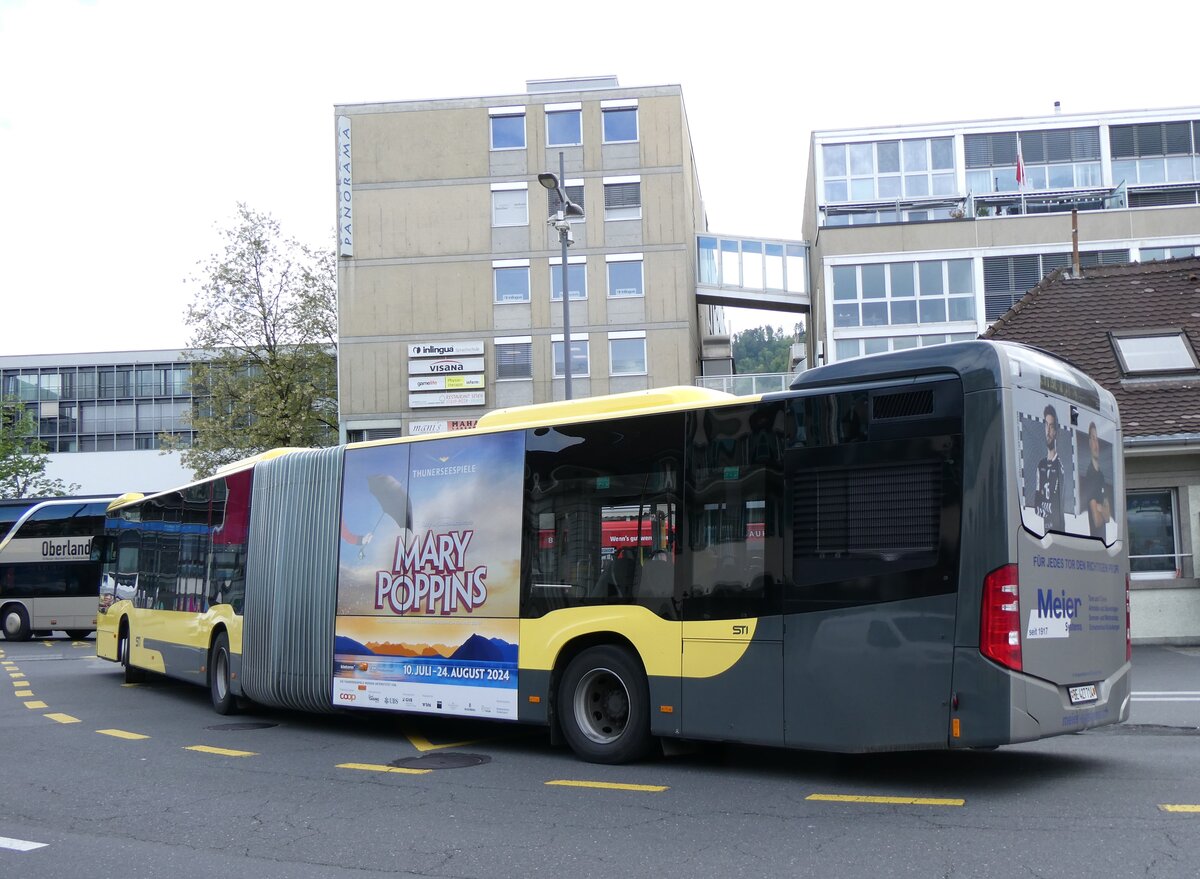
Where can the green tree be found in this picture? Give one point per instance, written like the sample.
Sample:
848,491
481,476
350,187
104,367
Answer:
23,456
765,349
265,311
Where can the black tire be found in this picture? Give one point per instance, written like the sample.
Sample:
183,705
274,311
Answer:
15,623
78,634
604,706
133,675
223,699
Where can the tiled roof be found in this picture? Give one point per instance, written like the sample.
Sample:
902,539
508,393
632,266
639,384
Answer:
1073,317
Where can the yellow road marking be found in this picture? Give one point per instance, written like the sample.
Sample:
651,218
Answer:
16,674
130,685
62,718
20,683
121,734
24,693
609,785
1179,808
890,801
48,643
36,704
373,767
224,752
423,744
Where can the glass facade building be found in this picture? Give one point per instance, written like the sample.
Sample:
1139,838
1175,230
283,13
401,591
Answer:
119,401
928,233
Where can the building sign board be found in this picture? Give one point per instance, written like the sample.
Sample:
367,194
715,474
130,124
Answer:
445,382
446,398
424,428
445,349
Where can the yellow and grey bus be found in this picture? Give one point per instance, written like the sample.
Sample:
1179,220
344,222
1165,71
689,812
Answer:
48,574
916,550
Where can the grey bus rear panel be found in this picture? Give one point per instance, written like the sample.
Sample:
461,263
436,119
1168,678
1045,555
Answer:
1075,581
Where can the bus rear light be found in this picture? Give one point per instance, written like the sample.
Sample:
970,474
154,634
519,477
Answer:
1128,629
1000,619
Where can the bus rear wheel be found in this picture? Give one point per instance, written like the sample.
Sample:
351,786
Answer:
604,706
78,634
223,700
133,675
15,623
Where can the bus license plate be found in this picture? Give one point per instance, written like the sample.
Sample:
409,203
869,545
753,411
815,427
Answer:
1082,694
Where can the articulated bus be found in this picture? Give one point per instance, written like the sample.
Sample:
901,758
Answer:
48,576
917,550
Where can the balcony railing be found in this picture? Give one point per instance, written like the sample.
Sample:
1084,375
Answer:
746,385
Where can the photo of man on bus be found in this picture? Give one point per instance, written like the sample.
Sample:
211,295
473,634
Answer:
1095,486
1048,495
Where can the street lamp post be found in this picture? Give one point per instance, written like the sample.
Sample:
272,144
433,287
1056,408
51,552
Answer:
561,221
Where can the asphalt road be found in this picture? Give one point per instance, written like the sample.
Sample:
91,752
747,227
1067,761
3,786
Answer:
109,780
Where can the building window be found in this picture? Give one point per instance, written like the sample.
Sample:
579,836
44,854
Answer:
1156,152
575,193
510,205
576,278
511,280
1007,278
770,265
625,275
508,128
627,353
1153,542
579,355
848,349
620,121
888,170
1155,352
563,125
622,198
1154,254
514,358
1060,158
886,294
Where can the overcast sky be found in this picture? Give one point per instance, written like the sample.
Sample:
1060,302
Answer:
130,130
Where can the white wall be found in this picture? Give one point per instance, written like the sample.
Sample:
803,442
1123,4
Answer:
1165,615
118,472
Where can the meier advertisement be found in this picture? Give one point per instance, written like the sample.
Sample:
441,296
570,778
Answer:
429,577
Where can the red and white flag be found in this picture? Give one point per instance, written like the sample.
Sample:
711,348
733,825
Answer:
1020,165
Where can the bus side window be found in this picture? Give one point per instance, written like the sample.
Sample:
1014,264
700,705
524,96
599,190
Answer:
600,499
734,551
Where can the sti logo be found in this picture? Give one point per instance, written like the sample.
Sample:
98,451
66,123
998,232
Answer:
741,630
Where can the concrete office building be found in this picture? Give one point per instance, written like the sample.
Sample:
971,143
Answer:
922,233
450,279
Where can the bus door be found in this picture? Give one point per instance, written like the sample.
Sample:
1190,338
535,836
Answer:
732,623
875,487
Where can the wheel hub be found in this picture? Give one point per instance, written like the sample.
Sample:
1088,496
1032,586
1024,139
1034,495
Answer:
601,706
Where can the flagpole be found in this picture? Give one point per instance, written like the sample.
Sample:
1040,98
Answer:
1021,174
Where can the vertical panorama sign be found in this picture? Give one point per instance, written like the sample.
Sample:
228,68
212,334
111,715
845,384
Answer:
345,197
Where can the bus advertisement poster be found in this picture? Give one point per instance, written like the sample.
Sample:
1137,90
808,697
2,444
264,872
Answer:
1065,466
429,576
